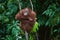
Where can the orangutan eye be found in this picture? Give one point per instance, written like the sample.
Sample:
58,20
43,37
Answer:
25,13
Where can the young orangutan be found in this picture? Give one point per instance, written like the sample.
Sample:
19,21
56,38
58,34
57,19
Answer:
27,19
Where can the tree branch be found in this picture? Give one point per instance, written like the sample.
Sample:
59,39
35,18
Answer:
31,4
19,4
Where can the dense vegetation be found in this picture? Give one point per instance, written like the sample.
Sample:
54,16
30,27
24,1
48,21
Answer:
48,17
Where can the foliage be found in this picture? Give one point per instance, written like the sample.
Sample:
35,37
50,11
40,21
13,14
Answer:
48,14
53,15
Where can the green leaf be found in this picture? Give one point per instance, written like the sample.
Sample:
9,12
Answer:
15,31
35,28
55,30
31,37
8,37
